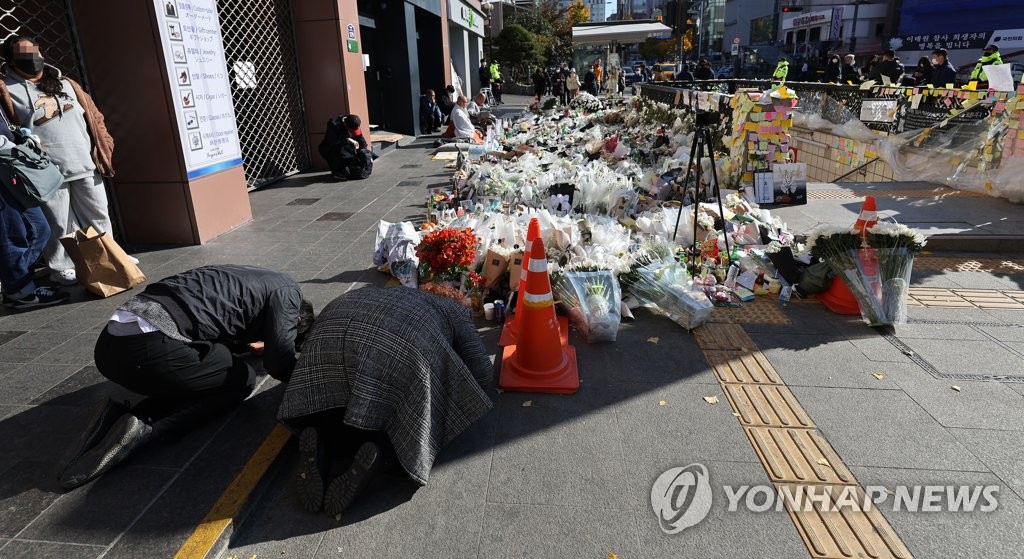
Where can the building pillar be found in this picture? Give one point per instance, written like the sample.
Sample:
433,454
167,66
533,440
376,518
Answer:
331,76
158,201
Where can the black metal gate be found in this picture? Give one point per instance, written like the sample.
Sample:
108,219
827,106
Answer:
259,46
49,22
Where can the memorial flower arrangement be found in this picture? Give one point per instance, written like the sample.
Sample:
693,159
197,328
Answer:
875,265
586,102
446,254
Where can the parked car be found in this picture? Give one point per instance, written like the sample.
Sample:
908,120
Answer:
664,72
963,74
630,76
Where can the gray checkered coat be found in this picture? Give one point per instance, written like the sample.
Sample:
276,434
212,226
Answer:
398,360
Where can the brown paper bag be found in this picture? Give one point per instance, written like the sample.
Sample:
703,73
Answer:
495,265
101,264
515,269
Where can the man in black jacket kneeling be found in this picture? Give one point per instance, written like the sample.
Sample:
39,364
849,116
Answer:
181,344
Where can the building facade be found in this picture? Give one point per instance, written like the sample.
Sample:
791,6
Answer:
230,95
822,27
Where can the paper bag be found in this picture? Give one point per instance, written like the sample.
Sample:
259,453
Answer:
495,265
101,264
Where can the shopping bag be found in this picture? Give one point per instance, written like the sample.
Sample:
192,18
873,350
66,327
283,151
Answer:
101,264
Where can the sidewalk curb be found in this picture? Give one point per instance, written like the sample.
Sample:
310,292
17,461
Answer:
1002,244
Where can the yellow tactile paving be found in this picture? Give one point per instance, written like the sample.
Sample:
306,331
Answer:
742,367
766,406
981,265
965,298
723,336
798,456
848,531
794,454
908,193
762,310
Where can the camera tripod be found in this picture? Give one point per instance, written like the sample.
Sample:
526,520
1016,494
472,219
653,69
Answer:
703,145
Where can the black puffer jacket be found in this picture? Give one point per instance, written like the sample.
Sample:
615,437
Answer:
235,304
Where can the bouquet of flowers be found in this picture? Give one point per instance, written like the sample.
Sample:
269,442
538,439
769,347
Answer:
875,265
592,300
586,102
445,254
666,288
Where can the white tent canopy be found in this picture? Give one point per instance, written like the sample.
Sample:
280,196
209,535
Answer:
621,32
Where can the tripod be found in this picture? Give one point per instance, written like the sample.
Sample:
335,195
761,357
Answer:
702,145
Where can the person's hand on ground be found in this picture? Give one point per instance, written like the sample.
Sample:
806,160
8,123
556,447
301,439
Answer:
257,348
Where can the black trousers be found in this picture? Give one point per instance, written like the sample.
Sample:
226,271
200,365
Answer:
186,384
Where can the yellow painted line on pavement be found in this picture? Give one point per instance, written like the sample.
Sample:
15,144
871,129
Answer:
230,503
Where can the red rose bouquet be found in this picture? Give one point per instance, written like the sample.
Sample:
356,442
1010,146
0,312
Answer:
445,254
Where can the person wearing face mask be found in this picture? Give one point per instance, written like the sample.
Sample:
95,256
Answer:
943,72
850,72
834,70
72,131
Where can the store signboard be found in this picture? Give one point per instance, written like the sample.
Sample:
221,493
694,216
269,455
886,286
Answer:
200,86
808,19
465,15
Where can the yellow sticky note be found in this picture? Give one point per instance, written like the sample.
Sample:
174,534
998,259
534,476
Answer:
973,85
948,86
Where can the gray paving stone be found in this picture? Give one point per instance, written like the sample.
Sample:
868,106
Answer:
21,549
685,430
1009,317
805,360
97,513
978,404
954,315
1000,451
1006,334
883,428
76,351
722,533
517,530
546,459
34,344
8,335
40,433
999,533
1015,386
976,358
939,332
24,493
879,350
8,410
32,380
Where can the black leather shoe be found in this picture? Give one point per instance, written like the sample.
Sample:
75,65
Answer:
309,479
125,435
102,419
346,487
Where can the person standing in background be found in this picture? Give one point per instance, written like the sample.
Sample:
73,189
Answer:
72,131
989,57
943,72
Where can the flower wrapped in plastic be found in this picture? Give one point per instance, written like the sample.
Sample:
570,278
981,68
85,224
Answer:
586,102
666,288
876,266
395,251
592,300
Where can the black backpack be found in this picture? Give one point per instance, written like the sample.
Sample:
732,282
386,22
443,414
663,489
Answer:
362,166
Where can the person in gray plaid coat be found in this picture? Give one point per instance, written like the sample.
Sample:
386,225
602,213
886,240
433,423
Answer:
396,370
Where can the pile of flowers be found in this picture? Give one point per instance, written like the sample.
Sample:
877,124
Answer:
446,254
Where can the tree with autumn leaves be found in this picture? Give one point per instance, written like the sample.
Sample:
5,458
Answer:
540,36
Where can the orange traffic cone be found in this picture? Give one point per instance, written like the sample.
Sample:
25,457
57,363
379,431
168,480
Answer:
868,216
539,362
511,329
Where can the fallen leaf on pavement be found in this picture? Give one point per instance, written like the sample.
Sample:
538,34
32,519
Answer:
825,463
653,340
527,403
711,399
878,376
662,402
612,555
499,391
736,414
955,387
